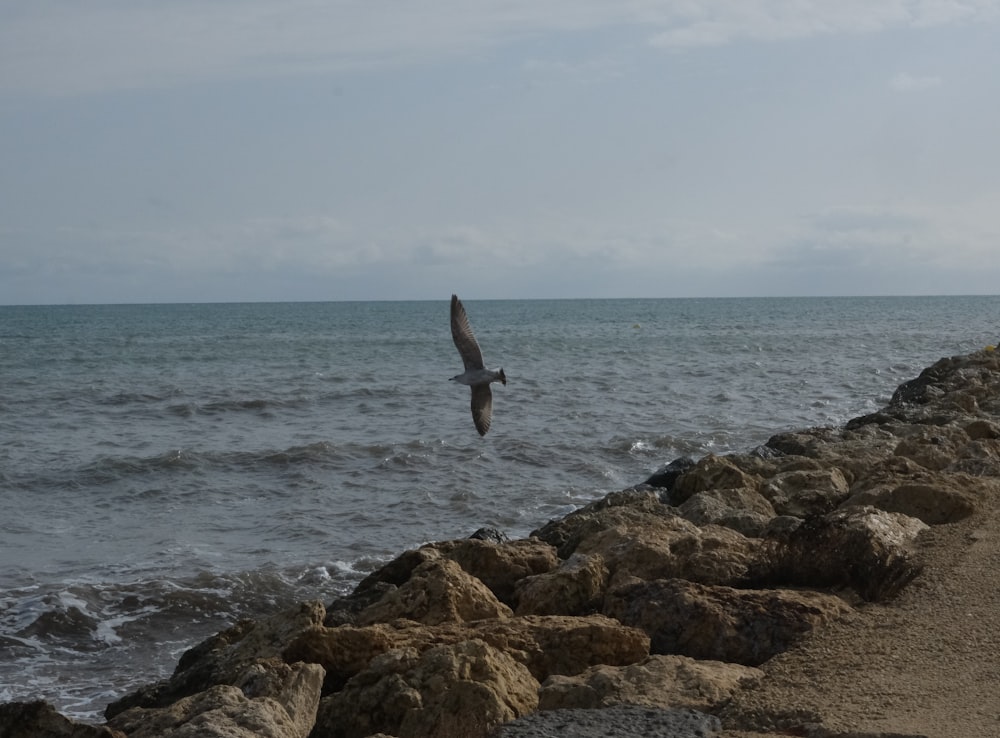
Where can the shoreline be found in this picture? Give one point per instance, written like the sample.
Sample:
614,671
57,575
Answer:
835,581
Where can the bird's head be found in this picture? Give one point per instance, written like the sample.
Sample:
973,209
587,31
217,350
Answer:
503,377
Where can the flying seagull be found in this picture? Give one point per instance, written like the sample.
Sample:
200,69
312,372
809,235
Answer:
476,375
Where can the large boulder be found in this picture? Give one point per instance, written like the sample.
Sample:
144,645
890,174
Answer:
271,700
804,494
658,681
575,588
743,509
437,591
865,548
459,690
663,547
721,623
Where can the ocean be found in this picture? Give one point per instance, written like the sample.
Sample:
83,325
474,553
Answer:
168,469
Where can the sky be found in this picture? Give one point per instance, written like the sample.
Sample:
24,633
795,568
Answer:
256,150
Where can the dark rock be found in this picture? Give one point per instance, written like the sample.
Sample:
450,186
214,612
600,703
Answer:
665,476
39,719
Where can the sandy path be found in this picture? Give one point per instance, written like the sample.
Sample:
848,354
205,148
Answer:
925,664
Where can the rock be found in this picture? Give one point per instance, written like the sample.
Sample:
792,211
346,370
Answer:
662,547
39,719
627,507
460,690
933,499
804,494
575,588
865,548
621,721
658,681
665,477
438,591
711,472
272,700
545,644
501,566
497,565
223,658
490,534
744,510
721,623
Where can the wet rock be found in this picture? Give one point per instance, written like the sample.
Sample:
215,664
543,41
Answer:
665,477
270,700
37,719
437,592
225,657
721,623
658,681
463,689
574,588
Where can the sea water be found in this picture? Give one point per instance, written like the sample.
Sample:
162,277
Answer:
168,469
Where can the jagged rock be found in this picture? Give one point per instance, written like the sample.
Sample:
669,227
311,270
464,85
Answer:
223,658
574,588
501,566
437,592
661,547
865,548
665,477
711,472
460,690
804,494
720,623
625,507
658,681
271,700
37,719
744,510
545,644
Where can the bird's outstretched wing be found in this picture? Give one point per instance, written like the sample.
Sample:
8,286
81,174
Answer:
465,339
482,407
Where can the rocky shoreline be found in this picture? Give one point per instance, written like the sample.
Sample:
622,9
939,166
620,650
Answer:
657,610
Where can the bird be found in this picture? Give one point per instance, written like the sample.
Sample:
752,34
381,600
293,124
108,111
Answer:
476,375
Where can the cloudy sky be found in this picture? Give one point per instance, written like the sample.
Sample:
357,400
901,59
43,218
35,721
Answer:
379,149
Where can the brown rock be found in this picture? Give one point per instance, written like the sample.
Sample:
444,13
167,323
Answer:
575,588
743,509
658,681
39,719
501,566
861,547
721,623
437,591
806,493
626,507
711,472
545,644
662,547
933,499
272,700
461,690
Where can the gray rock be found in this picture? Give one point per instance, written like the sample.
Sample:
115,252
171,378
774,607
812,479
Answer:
626,721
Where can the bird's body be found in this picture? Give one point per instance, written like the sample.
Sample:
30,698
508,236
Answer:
476,375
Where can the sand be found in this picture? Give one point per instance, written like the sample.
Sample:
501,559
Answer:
924,664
